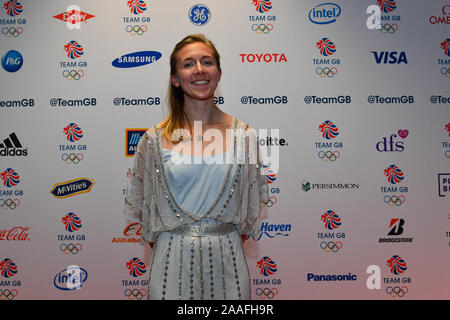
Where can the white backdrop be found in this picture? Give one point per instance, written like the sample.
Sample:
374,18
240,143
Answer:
269,80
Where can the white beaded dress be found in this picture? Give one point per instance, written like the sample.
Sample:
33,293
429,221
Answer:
196,214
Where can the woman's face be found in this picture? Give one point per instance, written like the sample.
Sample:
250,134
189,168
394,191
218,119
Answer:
196,71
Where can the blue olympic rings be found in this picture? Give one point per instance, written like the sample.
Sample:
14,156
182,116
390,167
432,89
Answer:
70,248
397,291
72,158
12,31
394,200
262,28
329,155
331,246
136,30
135,294
445,72
266,292
326,72
7,294
9,203
269,203
73,74
388,28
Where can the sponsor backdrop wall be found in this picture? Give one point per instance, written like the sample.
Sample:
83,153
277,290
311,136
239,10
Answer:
358,108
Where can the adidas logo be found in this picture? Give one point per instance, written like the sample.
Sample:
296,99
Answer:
11,146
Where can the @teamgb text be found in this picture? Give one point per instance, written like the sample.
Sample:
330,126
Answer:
215,152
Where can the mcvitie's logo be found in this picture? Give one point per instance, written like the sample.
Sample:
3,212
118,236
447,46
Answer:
72,187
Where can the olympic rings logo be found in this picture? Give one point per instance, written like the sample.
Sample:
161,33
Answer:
331,246
329,155
269,203
394,200
388,28
73,74
12,31
135,294
9,203
397,291
326,72
72,158
266,293
262,28
136,30
8,294
70,248
445,71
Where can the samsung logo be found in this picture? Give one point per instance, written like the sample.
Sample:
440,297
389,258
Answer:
136,59
324,13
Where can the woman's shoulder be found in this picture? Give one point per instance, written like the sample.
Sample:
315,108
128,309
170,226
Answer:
239,124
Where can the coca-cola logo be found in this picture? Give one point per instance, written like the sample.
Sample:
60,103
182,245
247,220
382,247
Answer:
15,234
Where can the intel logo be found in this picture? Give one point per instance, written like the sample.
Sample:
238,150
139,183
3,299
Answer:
71,278
136,59
12,61
324,13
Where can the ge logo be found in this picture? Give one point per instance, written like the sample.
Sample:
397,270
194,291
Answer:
199,14
374,20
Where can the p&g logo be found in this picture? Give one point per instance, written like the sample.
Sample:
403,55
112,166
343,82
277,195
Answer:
12,61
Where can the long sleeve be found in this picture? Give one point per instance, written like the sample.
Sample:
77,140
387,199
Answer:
257,185
137,201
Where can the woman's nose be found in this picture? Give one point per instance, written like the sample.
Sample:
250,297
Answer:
199,67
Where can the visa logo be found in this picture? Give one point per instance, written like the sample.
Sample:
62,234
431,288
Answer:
389,57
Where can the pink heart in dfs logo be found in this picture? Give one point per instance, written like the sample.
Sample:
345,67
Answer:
403,133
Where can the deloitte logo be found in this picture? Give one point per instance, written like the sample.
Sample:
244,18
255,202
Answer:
12,61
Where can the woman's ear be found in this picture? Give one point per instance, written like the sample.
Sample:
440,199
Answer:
174,80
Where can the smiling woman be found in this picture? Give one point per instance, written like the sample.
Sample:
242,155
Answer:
195,215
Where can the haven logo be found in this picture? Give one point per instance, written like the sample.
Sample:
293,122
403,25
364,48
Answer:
132,138
11,147
393,143
271,231
71,188
390,57
324,13
136,59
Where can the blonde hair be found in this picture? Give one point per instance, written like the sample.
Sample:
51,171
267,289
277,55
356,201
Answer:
177,116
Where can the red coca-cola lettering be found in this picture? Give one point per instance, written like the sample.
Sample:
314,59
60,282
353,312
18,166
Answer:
15,234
